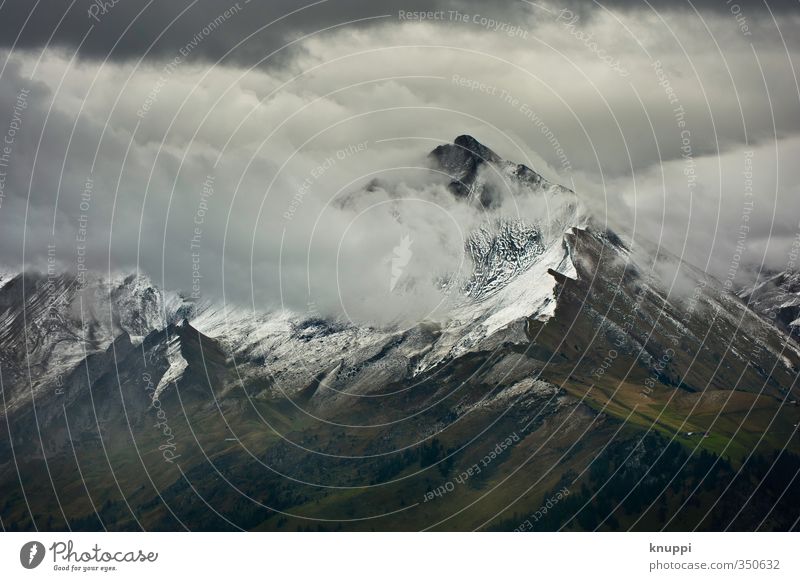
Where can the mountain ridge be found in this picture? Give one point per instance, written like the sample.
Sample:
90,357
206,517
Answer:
560,330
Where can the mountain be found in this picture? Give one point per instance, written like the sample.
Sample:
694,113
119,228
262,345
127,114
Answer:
569,360
477,173
778,299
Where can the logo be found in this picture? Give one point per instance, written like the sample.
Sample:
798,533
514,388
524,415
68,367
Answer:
401,256
31,554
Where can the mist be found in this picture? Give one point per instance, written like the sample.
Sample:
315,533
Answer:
305,185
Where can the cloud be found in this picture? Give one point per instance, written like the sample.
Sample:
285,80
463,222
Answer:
741,216
242,176
127,30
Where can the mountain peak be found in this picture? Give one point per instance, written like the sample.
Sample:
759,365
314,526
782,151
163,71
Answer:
461,160
465,150
465,159
471,146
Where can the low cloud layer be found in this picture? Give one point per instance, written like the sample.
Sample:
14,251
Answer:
244,175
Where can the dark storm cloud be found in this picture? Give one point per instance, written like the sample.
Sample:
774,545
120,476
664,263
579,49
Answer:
717,5
757,9
128,29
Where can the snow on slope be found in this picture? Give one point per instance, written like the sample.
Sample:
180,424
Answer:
177,365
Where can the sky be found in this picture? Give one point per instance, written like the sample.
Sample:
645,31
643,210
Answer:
213,144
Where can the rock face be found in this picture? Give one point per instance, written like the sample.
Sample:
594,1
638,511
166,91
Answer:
558,331
499,254
778,299
462,160
477,173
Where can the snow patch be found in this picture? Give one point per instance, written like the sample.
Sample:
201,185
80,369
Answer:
177,365
531,294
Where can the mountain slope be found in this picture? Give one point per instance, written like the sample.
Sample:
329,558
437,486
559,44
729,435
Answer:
778,299
564,362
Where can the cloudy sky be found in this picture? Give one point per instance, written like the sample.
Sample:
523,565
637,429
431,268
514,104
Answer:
220,138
